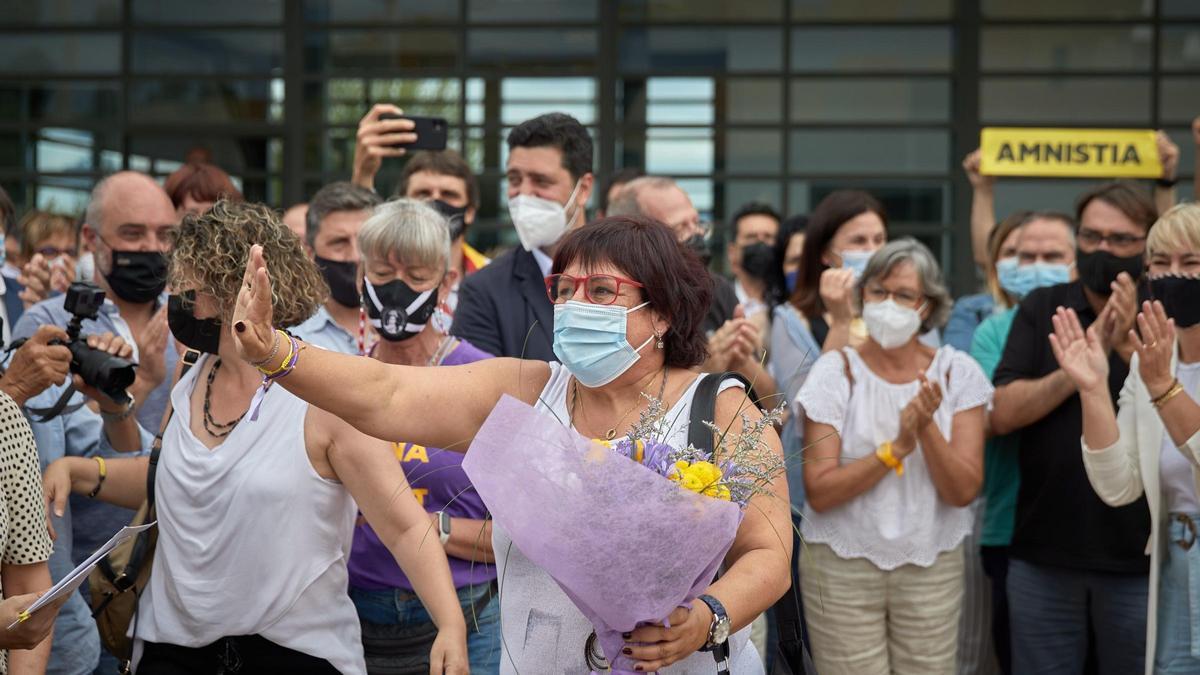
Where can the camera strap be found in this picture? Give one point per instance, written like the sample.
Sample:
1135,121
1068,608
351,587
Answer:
60,406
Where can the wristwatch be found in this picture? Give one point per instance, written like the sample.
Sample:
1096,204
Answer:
119,416
443,521
718,632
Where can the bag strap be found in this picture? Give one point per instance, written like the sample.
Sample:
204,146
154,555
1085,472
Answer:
704,407
190,357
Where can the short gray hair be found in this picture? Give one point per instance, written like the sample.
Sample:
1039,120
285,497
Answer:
412,231
628,200
339,196
909,250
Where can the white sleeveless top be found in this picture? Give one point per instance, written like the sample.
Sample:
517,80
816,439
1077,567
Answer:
544,634
251,540
901,520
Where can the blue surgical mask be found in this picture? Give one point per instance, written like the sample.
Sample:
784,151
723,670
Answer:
855,261
789,279
1021,280
591,343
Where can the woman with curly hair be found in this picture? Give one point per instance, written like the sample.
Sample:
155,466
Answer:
257,494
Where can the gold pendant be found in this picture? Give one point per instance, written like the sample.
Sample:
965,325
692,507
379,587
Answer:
612,433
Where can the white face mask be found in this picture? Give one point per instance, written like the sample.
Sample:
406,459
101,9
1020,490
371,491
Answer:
540,222
890,324
855,260
85,267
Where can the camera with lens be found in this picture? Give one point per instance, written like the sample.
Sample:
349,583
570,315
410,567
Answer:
99,369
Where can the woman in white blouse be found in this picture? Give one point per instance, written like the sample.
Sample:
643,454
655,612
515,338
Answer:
1152,445
895,455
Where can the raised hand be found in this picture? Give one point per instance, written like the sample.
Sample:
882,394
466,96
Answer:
1168,154
1082,355
1154,355
36,278
253,322
837,293
970,165
152,353
376,139
917,415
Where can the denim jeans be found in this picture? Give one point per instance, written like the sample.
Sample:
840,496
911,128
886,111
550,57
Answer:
397,606
1178,644
1051,609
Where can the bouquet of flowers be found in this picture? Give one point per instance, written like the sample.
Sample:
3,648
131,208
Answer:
661,517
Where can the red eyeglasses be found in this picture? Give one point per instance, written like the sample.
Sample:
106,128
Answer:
599,289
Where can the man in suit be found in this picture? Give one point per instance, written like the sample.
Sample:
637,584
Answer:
503,308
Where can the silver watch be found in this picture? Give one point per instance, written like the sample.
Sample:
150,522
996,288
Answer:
119,416
443,521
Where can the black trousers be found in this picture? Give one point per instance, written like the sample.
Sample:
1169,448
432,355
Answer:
244,654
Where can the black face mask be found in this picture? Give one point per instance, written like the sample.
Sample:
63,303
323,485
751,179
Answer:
1099,269
396,311
342,278
137,276
455,217
699,245
203,335
1180,297
758,260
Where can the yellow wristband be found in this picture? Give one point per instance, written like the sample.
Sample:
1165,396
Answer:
103,475
885,455
286,359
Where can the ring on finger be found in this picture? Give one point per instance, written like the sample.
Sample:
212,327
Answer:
1152,345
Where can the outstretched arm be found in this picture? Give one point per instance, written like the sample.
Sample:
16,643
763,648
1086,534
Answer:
441,407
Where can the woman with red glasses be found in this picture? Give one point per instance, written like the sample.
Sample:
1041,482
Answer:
628,303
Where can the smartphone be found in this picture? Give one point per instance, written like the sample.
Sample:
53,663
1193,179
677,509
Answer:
430,131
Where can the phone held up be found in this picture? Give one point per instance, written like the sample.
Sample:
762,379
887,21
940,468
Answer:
430,131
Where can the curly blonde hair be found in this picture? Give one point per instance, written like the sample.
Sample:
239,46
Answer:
210,251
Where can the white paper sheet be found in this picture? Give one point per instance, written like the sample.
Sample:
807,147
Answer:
73,580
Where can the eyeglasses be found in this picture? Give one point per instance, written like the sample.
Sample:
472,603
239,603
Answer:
1119,240
49,252
599,289
880,294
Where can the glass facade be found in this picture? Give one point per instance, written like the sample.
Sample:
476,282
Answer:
773,100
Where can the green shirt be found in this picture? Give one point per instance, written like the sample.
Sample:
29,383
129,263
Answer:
1001,474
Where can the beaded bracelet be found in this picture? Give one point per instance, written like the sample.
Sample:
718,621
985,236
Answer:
289,364
286,359
271,356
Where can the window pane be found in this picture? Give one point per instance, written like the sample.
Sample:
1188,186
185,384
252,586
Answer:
563,49
530,11
60,150
45,52
1067,49
1179,99
1065,101
24,12
59,101
679,100
384,50
758,100
1187,152
1067,9
866,10
183,100
208,52
869,151
379,10
527,97
208,12
741,192
1184,8
700,191
700,10
63,194
871,100
1013,194
431,97
869,49
1181,47
238,156
679,151
700,50
907,201
755,152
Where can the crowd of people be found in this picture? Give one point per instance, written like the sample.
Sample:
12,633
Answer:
1003,482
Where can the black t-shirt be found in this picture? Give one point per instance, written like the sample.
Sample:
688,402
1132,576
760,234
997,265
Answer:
1060,521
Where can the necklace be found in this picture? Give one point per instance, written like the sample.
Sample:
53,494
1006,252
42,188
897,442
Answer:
443,350
214,428
612,433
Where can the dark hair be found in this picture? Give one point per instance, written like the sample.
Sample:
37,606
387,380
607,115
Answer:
677,284
442,163
202,182
8,213
339,196
824,222
1125,197
557,130
754,209
621,177
777,284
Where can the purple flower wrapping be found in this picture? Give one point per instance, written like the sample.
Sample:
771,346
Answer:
626,544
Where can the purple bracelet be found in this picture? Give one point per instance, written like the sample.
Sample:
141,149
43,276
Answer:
268,380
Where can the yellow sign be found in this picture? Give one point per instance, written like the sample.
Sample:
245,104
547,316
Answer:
1069,153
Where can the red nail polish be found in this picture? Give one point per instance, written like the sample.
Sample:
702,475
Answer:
240,326
627,651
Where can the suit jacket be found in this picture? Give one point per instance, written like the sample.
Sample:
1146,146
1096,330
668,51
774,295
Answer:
12,303
503,309
1124,471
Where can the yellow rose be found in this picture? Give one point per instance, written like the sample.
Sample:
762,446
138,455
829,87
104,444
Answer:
691,482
